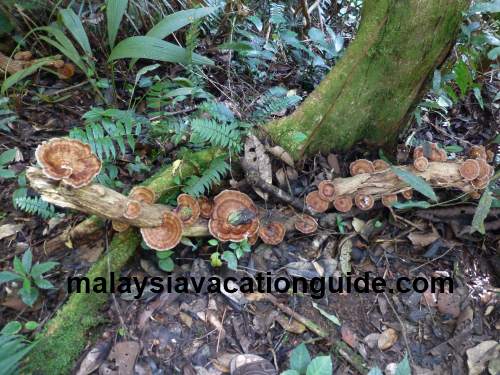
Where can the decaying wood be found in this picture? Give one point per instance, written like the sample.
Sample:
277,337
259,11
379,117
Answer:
104,202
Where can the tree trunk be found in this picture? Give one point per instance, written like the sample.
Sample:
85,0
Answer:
371,90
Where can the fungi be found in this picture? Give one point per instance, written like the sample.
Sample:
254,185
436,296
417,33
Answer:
206,207
66,71
478,152
306,224
343,203
272,233
484,168
326,190
119,226
469,169
142,194
480,183
252,240
380,165
23,56
68,160
234,217
166,236
421,163
389,199
315,203
363,201
187,209
361,166
418,152
132,209
407,194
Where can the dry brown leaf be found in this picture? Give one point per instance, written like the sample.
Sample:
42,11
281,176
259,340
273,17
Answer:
479,356
387,339
124,354
256,157
8,230
349,337
94,358
280,153
422,239
290,325
449,304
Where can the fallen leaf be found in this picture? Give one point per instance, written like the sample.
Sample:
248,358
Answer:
8,230
358,224
94,358
256,157
372,340
345,256
290,325
348,336
479,356
332,318
387,339
449,304
280,153
422,239
124,354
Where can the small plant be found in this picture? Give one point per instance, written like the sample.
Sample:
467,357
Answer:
6,158
237,250
165,261
301,363
200,185
30,275
13,349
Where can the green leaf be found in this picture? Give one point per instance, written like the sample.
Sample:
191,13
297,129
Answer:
215,259
213,242
454,148
482,210
11,328
175,21
236,46
321,365
29,295
494,53
164,254
375,371
20,75
290,372
7,173
27,260
40,268
300,358
416,182
115,9
31,325
403,367
166,264
18,266
146,47
411,204
42,283
6,276
230,258
75,27
332,318
8,156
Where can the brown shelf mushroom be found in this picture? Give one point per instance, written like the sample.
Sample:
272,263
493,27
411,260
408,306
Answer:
484,168
421,163
68,160
306,224
315,203
361,166
252,240
142,194
119,226
66,71
132,209
343,203
363,202
234,217
481,182
206,207
478,152
326,190
469,169
380,165
418,152
272,233
166,236
187,209
407,194
389,199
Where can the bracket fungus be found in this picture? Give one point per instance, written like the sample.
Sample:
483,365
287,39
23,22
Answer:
469,169
234,217
477,152
361,166
272,233
187,209
343,203
421,163
326,190
166,236
119,226
380,165
363,201
306,224
68,160
132,209
139,194
206,207
407,194
389,199
315,203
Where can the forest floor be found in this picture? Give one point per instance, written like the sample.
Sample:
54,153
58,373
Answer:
190,333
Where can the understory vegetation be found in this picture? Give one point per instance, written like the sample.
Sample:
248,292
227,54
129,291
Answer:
148,84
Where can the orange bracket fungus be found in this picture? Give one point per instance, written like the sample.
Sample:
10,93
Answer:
380,165
68,160
187,209
234,217
166,236
407,194
139,194
272,233
477,152
326,190
306,224
343,203
206,207
132,209
469,169
363,202
421,163
315,203
361,166
389,199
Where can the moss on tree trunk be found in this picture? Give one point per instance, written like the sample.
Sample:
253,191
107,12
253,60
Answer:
373,87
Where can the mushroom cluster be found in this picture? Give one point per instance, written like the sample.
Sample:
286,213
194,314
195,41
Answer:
133,208
68,160
427,152
476,169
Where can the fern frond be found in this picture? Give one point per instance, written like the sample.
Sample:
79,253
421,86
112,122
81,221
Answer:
13,349
6,115
275,100
35,206
197,186
216,110
220,135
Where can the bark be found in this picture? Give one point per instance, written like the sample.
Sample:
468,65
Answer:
370,91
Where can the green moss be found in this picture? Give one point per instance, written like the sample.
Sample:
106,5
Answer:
379,79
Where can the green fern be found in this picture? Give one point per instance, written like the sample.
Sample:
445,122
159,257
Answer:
275,100
13,349
6,115
220,135
35,206
197,186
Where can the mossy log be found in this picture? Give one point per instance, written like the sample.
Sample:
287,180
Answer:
375,85
67,334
